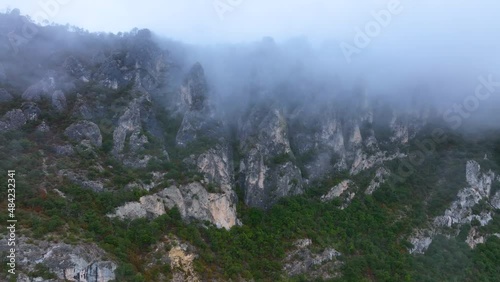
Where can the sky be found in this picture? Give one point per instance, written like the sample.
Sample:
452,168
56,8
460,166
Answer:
216,21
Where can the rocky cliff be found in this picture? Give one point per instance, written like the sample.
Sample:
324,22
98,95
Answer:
136,163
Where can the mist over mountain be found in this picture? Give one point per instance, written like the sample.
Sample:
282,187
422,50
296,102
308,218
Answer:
250,141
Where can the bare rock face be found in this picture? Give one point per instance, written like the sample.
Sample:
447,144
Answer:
84,130
461,210
364,161
216,202
140,62
148,206
12,120
268,171
421,241
82,262
81,109
217,166
301,260
339,140
31,111
63,150
129,139
346,190
380,177
182,263
194,89
199,119
193,202
474,238
179,255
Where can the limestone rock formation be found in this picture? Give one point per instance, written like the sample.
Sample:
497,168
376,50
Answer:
192,200
12,120
345,190
301,260
380,177
80,262
84,130
461,211
267,170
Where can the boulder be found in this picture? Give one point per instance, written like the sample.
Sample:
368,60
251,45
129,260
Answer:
84,130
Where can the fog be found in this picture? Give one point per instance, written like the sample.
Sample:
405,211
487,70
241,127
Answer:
435,50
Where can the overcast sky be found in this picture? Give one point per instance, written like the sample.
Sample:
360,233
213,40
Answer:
214,21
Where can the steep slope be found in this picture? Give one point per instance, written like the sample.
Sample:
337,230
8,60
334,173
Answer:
130,168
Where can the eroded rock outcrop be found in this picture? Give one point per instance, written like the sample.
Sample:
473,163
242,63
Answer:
380,177
193,201
141,62
461,211
364,161
178,255
199,119
128,137
301,260
82,262
345,190
267,170
12,120
84,130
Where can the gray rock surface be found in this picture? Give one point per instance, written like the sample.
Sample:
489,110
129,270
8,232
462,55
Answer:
64,150
31,111
129,136
84,130
192,200
81,109
199,118
461,211
345,190
267,170
12,120
380,177
81,262
179,255
301,260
